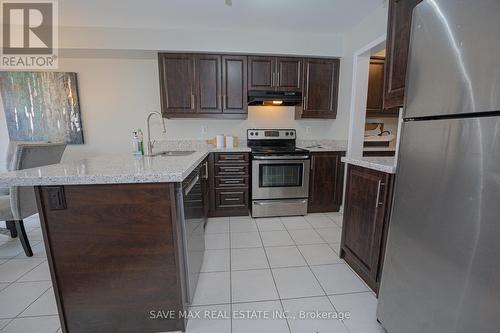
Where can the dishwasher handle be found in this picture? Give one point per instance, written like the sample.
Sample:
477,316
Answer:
191,185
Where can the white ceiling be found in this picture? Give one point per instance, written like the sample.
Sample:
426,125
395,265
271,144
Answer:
311,16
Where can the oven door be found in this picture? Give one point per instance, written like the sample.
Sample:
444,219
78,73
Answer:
280,178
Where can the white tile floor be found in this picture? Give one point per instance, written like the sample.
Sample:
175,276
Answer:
279,265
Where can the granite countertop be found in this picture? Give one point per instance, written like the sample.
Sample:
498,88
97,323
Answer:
322,145
384,164
114,169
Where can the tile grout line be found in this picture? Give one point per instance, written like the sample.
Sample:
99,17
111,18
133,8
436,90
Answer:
317,280
285,299
328,296
17,280
274,280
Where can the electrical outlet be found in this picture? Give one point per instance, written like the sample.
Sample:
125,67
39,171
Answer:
204,129
308,130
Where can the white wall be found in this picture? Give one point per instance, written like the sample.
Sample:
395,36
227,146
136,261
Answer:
328,44
118,89
368,30
118,85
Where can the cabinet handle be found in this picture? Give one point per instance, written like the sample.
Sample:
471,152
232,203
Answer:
379,187
232,199
223,101
231,181
206,170
277,79
232,168
272,80
312,163
192,101
220,101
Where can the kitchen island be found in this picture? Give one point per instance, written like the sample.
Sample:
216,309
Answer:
114,240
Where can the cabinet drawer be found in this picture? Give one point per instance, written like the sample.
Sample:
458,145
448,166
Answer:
231,170
231,198
231,157
231,181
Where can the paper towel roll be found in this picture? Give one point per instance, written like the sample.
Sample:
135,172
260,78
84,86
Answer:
229,141
220,141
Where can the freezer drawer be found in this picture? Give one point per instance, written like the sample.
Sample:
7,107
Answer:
442,264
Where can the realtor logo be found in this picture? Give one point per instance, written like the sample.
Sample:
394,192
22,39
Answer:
29,34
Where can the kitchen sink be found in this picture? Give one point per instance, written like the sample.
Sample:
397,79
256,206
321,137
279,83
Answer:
175,153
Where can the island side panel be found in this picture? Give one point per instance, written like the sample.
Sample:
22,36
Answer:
113,252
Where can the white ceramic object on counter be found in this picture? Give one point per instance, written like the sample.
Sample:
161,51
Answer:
219,141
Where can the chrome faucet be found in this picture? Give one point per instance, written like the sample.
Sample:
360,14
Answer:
149,144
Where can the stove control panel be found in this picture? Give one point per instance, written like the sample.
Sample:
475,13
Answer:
270,134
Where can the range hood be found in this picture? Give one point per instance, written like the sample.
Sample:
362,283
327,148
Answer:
274,98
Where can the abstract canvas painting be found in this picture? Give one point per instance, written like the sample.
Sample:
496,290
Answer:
42,106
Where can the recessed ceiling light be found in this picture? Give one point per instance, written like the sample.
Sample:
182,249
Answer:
229,2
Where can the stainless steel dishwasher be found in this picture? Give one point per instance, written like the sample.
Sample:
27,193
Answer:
192,223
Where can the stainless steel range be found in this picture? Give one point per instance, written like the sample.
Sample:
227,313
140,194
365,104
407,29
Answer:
280,173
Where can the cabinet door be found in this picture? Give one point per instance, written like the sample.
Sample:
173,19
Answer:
321,79
375,98
398,42
364,221
325,182
208,83
234,80
288,74
261,73
177,84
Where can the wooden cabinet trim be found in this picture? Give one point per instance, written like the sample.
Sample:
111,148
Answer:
206,81
368,264
398,40
326,182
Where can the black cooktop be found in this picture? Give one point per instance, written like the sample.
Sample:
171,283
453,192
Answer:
278,150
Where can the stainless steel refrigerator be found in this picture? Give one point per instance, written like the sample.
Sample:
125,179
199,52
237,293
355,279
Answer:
442,264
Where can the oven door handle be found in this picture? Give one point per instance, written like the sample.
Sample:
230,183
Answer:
291,157
272,202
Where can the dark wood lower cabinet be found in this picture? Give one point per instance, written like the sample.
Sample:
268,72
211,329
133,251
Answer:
366,220
326,182
112,254
229,184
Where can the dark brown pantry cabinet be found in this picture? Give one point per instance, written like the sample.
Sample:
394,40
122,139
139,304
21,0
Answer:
274,73
203,85
320,88
366,220
375,98
398,43
326,182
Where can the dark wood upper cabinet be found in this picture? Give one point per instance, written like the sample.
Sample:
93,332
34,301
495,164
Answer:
275,73
366,219
398,42
203,85
320,92
216,86
288,74
326,182
208,83
261,73
234,78
177,83
375,98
